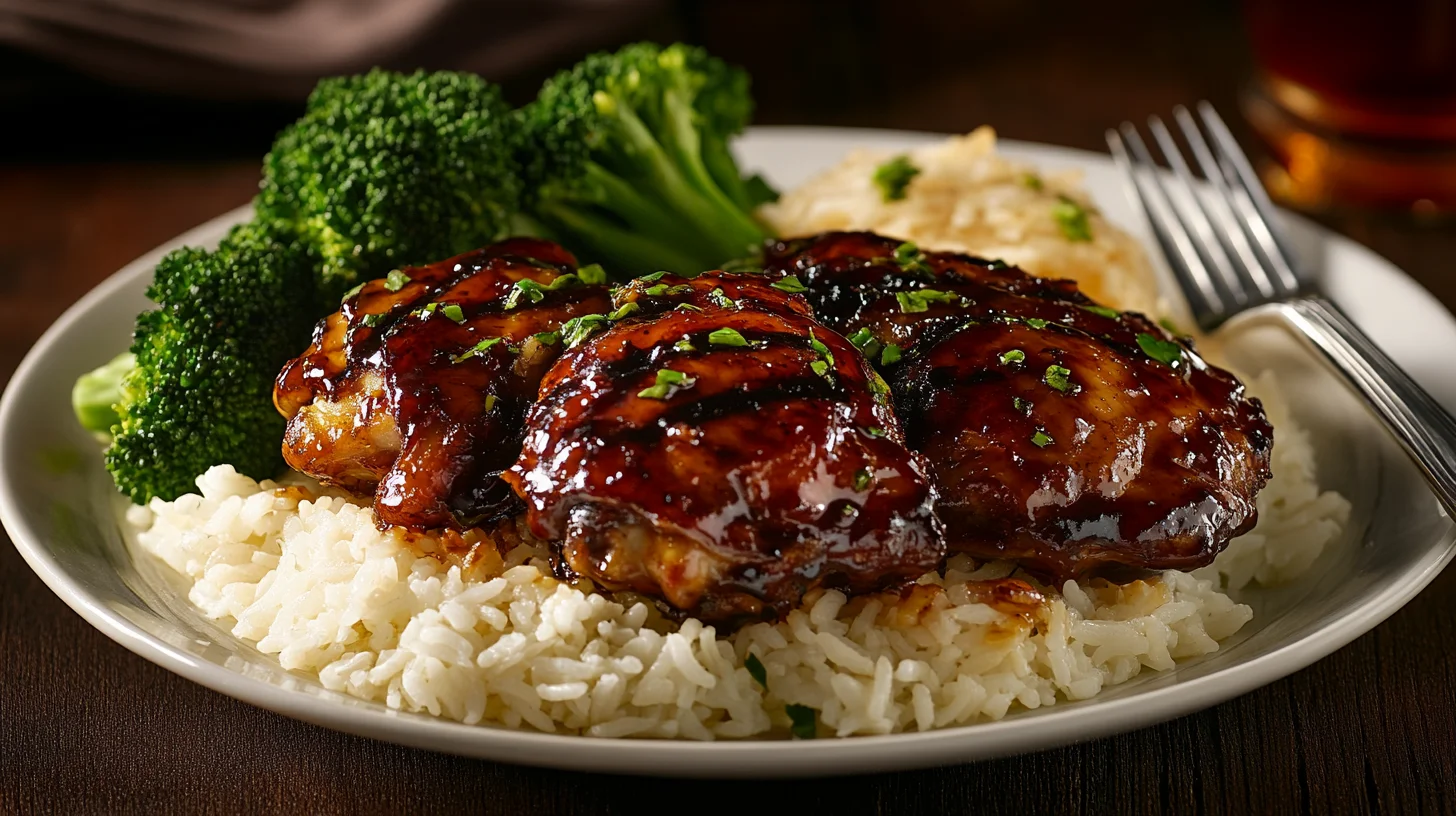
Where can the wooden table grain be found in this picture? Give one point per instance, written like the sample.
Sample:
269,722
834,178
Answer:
85,726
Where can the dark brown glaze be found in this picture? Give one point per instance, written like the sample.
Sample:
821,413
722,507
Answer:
661,291
1008,596
1134,463
733,496
386,398
852,280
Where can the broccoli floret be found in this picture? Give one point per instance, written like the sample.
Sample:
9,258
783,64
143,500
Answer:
386,170
626,160
200,391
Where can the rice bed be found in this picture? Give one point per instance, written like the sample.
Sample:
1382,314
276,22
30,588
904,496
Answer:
395,617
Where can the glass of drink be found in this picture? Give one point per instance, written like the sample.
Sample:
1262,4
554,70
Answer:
1357,100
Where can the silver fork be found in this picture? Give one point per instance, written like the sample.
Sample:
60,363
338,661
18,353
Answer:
1230,255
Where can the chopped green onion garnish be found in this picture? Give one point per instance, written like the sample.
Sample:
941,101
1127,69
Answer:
371,320
756,670
655,276
489,401
821,366
527,289
684,345
1164,351
874,432
1036,323
1021,405
668,381
454,312
1071,217
865,342
1040,439
478,349
351,293
804,721
920,300
661,289
578,329
688,307
625,310
1101,311
894,176
719,298
909,258
592,274
395,280
790,284
1059,378
1013,356
547,338
862,479
890,355
818,345
1031,181
726,337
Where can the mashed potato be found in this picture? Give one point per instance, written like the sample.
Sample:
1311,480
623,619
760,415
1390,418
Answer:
966,198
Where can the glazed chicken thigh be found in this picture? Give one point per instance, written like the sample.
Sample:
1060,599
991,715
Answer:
416,389
718,448
1065,435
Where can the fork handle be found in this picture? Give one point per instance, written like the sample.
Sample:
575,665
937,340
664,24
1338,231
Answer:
1424,428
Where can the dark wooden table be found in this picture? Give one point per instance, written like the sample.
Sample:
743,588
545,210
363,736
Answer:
87,726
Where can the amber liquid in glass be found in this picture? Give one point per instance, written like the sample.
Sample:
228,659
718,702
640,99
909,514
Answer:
1357,98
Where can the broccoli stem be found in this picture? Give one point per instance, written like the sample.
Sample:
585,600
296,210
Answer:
621,198
728,229
684,143
724,169
96,394
633,254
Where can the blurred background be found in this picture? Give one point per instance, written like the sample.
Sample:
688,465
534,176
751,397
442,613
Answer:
169,79
124,122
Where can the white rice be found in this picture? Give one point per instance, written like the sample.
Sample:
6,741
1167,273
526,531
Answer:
305,574
404,619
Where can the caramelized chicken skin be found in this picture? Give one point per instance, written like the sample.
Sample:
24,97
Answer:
723,451
1069,437
416,389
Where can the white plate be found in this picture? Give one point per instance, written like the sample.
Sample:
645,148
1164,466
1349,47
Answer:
63,522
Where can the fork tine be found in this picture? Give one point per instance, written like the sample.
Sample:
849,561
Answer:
1257,210
1194,213
1204,299
1252,268
1175,221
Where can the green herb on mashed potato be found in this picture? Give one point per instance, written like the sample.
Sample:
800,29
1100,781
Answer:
893,178
1071,218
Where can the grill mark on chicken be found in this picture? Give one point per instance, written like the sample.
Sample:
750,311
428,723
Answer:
390,397
1135,464
732,497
